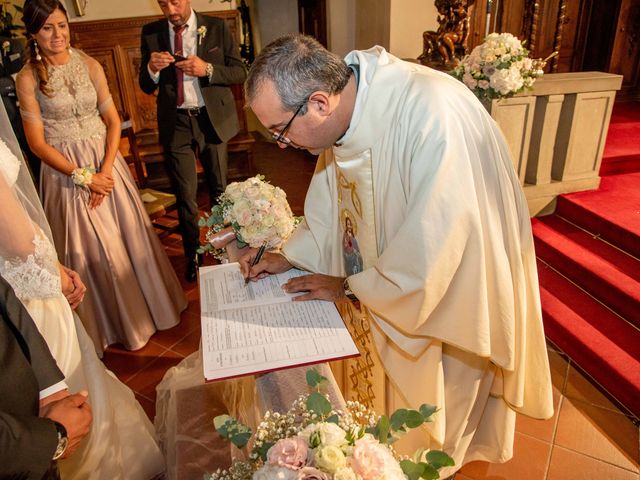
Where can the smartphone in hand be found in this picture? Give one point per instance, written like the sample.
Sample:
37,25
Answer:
177,57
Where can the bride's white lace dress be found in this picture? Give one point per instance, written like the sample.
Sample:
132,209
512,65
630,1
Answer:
121,443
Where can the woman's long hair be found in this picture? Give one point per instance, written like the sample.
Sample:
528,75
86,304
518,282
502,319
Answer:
34,16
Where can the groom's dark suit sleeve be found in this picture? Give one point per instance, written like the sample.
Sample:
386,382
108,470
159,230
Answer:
27,442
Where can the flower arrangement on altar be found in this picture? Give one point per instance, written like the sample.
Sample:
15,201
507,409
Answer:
499,67
313,441
254,212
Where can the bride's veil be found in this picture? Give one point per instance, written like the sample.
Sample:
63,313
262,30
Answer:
18,193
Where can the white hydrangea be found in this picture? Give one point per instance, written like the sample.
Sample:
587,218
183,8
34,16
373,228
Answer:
499,67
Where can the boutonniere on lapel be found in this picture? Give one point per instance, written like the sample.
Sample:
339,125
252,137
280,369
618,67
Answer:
6,46
202,31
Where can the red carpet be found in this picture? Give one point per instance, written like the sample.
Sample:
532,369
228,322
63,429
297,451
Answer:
589,268
603,271
611,212
594,337
621,151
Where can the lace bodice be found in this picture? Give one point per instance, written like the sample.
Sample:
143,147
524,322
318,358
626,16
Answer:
72,113
35,276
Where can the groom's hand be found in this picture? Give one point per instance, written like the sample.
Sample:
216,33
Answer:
74,412
193,66
159,61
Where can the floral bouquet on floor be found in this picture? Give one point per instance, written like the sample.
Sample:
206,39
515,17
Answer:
500,67
252,212
312,441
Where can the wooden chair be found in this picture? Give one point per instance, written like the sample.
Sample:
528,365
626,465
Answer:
156,202
240,147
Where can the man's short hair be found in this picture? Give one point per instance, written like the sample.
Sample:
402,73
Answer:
298,65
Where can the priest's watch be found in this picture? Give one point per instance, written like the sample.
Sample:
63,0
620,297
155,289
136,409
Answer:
209,70
347,291
63,441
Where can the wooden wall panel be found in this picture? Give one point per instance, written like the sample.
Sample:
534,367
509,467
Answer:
116,45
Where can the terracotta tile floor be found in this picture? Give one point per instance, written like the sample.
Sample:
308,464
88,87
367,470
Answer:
588,438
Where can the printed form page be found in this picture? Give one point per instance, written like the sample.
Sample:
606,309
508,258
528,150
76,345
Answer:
256,327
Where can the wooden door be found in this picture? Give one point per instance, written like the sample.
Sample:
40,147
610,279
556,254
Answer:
312,19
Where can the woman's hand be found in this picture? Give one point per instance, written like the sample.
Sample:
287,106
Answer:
101,183
96,199
66,284
72,286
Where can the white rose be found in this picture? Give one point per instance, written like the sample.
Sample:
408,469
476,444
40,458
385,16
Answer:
345,473
331,434
329,458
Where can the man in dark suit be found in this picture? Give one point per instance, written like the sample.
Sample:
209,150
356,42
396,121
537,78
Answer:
196,108
39,420
11,61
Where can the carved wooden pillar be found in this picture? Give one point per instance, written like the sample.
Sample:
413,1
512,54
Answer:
530,24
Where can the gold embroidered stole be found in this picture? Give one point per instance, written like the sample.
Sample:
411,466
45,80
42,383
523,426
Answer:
357,212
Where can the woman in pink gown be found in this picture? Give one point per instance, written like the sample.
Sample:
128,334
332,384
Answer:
100,227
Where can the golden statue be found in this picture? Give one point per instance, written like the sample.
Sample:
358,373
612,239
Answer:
444,48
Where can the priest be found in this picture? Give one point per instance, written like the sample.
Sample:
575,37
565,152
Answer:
415,208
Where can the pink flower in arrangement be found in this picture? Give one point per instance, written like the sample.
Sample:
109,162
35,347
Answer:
289,452
310,473
367,459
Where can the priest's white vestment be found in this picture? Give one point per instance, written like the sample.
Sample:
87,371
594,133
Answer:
423,183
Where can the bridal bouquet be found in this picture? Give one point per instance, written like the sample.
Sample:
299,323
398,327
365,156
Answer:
254,212
499,67
312,441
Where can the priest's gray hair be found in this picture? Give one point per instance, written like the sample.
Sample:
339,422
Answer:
298,65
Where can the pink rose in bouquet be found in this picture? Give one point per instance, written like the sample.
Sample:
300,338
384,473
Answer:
289,452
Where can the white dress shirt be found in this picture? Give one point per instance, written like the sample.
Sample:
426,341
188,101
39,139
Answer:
192,94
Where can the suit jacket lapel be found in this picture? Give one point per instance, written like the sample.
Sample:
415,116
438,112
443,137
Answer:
200,44
163,38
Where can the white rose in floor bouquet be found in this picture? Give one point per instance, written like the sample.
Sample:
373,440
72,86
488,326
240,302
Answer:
253,212
313,441
499,67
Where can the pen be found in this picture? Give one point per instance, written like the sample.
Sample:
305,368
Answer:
255,260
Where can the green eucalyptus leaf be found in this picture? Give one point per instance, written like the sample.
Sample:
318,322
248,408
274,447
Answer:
314,379
333,419
412,470
427,410
383,428
240,440
222,424
229,428
429,472
398,418
318,403
414,419
263,449
439,459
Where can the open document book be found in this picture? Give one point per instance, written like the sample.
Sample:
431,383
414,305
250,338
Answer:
255,327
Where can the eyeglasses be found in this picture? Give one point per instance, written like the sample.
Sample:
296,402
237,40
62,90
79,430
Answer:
279,137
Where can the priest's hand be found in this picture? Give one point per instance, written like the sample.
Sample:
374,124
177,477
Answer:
317,286
269,263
